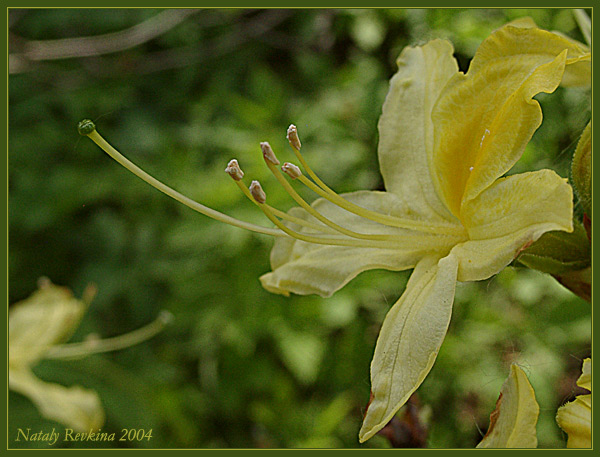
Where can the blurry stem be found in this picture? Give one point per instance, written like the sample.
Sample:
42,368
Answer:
585,24
66,48
96,346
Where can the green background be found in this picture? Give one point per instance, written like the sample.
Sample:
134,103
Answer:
240,367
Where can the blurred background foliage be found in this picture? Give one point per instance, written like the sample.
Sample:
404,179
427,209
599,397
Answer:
240,367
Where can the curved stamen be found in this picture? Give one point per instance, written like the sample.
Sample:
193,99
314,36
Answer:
96,346
326,192
268,152
233,169
92,133
256,189
384,219
294,140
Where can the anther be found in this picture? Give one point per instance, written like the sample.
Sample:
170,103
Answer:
268,153
233,169
257,192
291,170
292,136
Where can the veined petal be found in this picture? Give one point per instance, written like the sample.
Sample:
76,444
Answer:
523,38
484,119
306,268
513,422
74,407
49,316
508,216
575,418
409,341
406,129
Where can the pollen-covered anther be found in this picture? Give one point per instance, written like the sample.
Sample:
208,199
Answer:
268,153
257,192
292,136
233,169
291,170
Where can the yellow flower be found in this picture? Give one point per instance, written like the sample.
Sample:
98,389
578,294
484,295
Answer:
575,417
36,328
446,140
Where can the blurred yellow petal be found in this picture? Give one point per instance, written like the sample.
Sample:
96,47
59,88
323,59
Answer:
74,407
585,380
406,128
409,341
508,216
575,418
513,422
48,317
305,268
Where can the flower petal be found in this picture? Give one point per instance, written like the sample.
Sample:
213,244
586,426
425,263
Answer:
49,316
508,216
74,407
536,43
585,380
306,268
409,341
484,119
406,129
513,422
575,418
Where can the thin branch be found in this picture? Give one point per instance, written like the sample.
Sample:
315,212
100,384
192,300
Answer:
67,48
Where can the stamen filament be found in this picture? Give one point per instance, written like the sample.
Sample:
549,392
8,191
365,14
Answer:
339,241
117,156
280,214
292,136
97,346
384,219
290,190
326,192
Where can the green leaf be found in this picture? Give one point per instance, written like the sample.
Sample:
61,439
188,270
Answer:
559,252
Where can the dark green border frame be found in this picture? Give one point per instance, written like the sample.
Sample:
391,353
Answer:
270,4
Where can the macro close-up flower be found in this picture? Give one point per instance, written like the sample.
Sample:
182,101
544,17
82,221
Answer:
440,297
447,139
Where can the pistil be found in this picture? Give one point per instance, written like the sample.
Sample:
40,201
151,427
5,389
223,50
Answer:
88,129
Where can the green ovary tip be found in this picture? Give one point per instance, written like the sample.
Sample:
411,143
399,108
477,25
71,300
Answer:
86,127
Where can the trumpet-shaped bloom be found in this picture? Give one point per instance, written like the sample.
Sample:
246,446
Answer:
37,327
575,417
446,141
